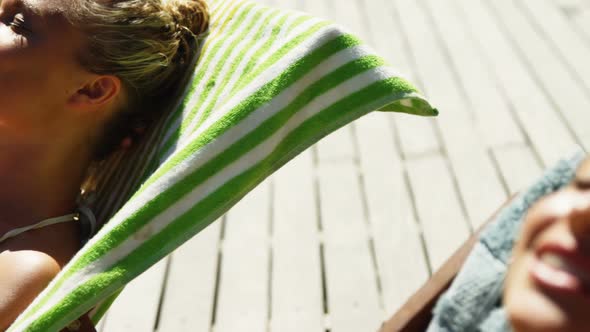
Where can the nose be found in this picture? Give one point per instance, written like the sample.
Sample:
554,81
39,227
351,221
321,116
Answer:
580,215
582,178
579,220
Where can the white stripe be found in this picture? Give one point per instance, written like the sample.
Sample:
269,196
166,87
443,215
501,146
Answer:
212,41
317,39
145,153
120,189
217,58
228,63
274,48
215,182
288,28
287,34
248,58
218,4
322,36
253,157
254,120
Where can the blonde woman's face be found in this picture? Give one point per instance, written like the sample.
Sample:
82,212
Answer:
548,283
38,69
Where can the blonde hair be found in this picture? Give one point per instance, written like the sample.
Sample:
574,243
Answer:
146,43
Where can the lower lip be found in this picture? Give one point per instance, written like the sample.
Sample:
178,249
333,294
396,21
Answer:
557,280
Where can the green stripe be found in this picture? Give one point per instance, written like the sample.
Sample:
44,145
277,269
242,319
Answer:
235,64
71,308
122,232
211,47
217,14
172,140
286,48
236,151
206,65
272,60
222,81
215,11
276,30
262,96
214,40
192,85
178,190
184,227
214,71
104,307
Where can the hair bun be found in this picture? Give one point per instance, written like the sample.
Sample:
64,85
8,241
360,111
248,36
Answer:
191,15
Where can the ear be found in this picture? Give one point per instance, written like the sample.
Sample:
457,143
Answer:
97,92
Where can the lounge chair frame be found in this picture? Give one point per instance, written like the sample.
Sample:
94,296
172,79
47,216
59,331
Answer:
416,313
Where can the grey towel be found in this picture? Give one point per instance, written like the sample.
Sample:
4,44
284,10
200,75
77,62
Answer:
473,302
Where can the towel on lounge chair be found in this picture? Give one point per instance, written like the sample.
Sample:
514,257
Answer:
269,83
473,302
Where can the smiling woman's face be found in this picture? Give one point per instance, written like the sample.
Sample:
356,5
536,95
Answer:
38,69
548,283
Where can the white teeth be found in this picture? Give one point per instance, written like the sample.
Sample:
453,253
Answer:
554,261
558,262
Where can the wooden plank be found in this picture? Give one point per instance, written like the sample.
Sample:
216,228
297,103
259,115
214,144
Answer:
567,95
518,166
244,280
490,108
443,224
317,8
581,23
548,135
353,302
472,168
569,6
338,146
401,258
297,295
416,314
188,300
349,16
416,134
136,309
101,323
551,25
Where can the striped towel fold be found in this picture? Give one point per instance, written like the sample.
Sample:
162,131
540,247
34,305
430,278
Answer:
269,83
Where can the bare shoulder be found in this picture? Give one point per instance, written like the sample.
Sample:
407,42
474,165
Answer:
29,264
23,275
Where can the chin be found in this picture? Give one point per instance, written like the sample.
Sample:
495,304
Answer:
530,311
526,307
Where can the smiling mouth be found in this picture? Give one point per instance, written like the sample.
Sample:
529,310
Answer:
563,271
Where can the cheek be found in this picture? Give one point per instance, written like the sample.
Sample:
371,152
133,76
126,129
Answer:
25,106
527,308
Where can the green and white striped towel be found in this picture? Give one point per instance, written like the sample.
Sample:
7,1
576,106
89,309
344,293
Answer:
269,83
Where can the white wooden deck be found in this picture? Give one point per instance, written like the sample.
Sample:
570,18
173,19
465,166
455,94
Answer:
340,237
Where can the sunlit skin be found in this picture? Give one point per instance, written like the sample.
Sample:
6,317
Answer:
52,111
548,283
51,114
